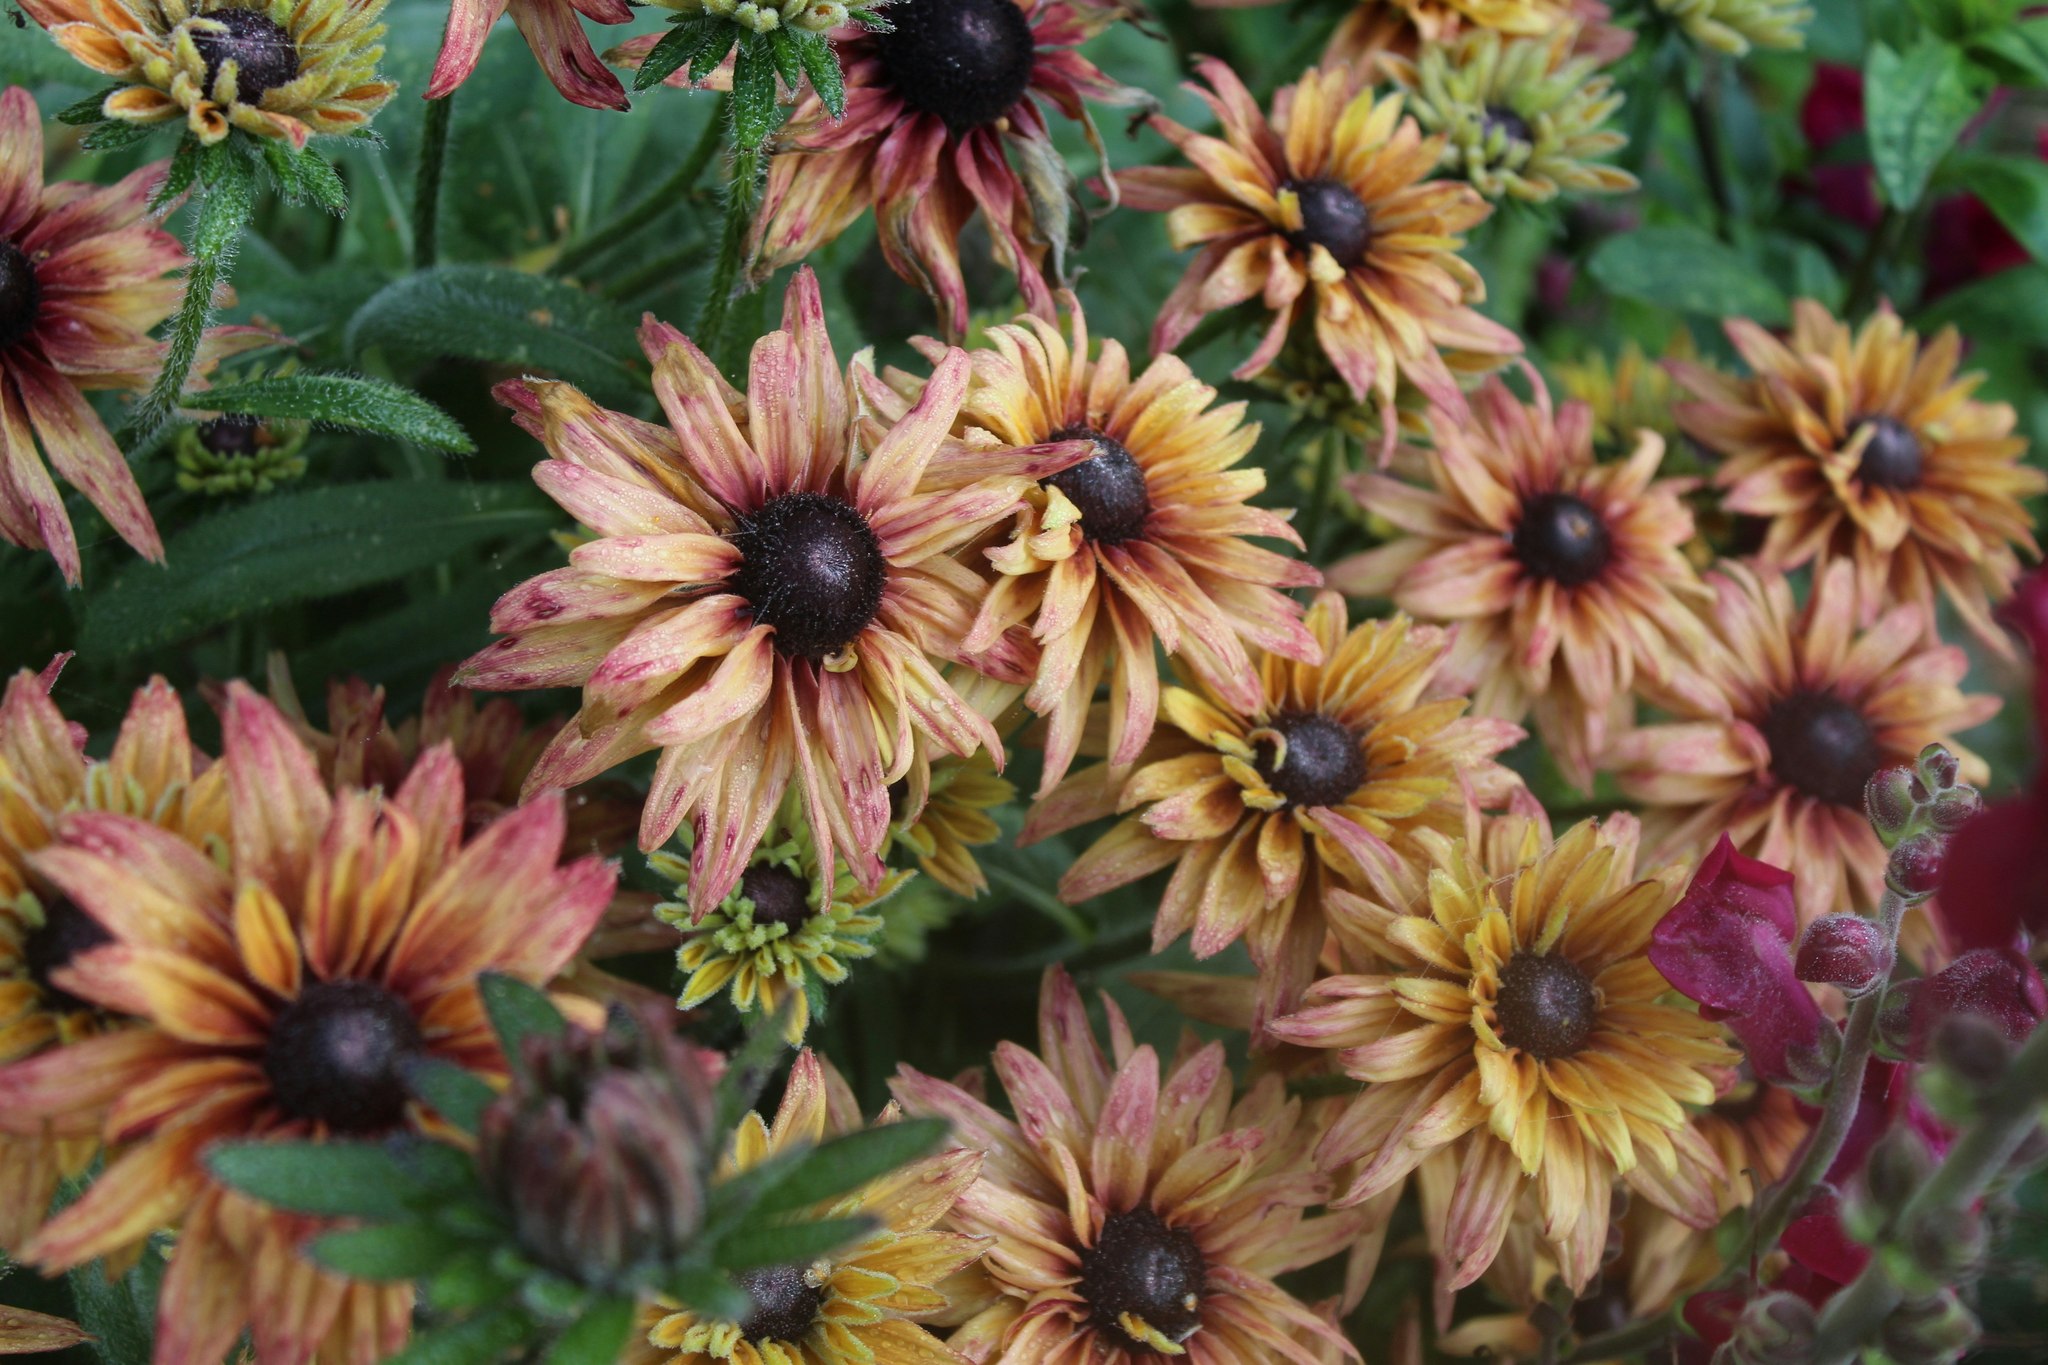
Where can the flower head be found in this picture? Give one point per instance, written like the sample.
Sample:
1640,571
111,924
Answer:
1520,1019
860,1306
1735,26
1564,575
1862,445
767,575
1800,709
279,992
235,453
1333,192
1134,1217
1143,544
1523,117
955,820
1627,393
287,69
153,774
552,29
1262,811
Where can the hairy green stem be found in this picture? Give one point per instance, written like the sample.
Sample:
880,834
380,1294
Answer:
651,206
740,195
1627,1339
426,194
224,213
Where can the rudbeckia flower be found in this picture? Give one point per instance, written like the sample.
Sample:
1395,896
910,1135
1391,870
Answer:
552,28
288,69
1262,812
1799,709
153,774
956,820
1405,27
279,992
1519,1019
861,1306
1864,445
1563,575
84,276
767,577
1135,1216
1333,197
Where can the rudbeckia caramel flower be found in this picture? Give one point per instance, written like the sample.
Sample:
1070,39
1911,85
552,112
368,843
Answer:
1799,710
552,29
1520,1020
860,1306
1134,1216
83,279
946,116
1262,811
1735,26
1142,544
767,577
288,69
1563,575
278,993
1333,195
955,821
1863,445
153,774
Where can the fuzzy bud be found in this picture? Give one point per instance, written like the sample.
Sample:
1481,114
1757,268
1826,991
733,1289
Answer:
1889,801
1998,983
814,16
1954,808
1938,768
1914,870
1929,1331
1897,1166
1947,1246
1846,951
601,1148
1775,1329
1897,1018
1810,1064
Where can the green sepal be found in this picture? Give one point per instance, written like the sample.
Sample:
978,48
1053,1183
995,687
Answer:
850,1161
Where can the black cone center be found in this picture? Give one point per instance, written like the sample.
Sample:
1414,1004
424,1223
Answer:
67,933
1108,488
786,1303
1545,1005
1323,766
20,295
232,434
812,569
966,62
1562,538
1894,458
779,896
261,50
1334,218
1142,1267
1497,118
1823,746
335,1056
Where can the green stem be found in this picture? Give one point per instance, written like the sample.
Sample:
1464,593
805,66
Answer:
1862,292
1625,1340
739,216
426,194
651,206
662,267
224,214
1706,131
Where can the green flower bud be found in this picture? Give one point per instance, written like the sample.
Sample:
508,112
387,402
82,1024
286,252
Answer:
1929,1331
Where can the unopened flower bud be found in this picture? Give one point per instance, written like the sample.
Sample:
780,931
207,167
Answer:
1896,1019
1811,1063
1914,870
1947,1245
600,1149
1938,768
1775,1329
1889,802
1897,1166
814,16
1846,951
1954,808
1973,1049
1929,1331
2000,984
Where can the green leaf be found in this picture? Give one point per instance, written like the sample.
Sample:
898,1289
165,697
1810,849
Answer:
340,400
114,134
1687,270
696,44
505,317
789,66
122,1327
518,1012
331,1179
1914,106
821,64
296,547
709,1293
2011,305
844,1163
304,175
751,1247
457,1095
482,1340
2015,53
754,111
597,1337
89,110
388,1252
2017,191
184,169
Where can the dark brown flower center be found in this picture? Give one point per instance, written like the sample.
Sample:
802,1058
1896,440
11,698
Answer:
20,296
1141,1267
1821,745
259,47
966,62
1108,488
1334,218
67,933
1894,458
1498,118
1561,537
786,1303
812,569
335,1056
1545,1005
1324,764
779,896
232,434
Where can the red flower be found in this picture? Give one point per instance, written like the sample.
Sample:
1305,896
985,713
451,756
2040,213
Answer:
1728,945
